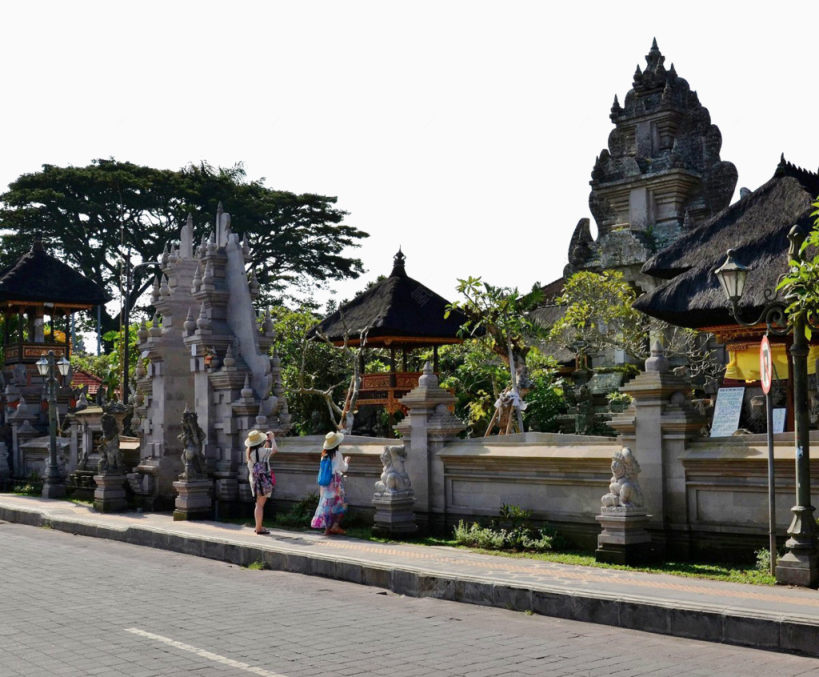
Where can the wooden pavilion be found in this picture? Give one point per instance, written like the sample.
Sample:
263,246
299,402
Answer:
397,313
39,292
756,227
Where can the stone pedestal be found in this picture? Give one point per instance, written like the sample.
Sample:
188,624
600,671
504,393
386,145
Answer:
81,485
193,500
393,514
624,539
109,496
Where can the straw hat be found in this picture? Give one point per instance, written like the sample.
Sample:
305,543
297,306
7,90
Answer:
255,438
333,439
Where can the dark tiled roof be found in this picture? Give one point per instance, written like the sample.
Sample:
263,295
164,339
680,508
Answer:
39,277
756,227
397,306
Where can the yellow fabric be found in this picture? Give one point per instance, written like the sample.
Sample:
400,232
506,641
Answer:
743,363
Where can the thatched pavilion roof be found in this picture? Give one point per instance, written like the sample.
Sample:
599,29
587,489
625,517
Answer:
38,277
396,311
756,228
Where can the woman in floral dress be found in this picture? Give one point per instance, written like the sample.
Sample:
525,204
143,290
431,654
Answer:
332,504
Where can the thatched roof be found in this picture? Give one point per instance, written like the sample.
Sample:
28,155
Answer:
38,277
756,228
396,311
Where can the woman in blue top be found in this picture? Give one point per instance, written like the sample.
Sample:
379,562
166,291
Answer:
332,504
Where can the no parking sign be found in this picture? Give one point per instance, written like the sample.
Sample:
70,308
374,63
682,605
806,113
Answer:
765,364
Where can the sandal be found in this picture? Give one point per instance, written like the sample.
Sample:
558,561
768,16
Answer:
263,532
337,530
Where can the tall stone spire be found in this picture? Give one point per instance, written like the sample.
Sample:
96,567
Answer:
662,161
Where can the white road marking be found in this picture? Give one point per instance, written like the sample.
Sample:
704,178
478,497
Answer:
205,654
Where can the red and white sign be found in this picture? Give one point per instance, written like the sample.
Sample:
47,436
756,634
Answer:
765,364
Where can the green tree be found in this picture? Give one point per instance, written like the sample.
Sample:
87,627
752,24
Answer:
598,315
312,371
801,284
92,216
500,317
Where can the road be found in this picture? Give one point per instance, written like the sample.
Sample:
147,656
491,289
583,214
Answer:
71,605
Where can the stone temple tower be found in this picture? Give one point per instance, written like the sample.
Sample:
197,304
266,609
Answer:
206,352
660,175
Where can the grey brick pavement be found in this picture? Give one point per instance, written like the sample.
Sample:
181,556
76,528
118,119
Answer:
68,603
753,615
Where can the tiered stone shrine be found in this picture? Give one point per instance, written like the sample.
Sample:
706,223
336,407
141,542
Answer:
660,175
205,351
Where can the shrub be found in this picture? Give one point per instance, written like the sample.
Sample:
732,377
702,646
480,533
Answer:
301,513
517,539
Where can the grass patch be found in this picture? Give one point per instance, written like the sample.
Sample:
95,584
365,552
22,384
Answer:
720,572
258,565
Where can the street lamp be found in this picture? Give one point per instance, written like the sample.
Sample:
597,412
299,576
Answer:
53,485
800,564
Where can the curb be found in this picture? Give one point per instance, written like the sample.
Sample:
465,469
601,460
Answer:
663,616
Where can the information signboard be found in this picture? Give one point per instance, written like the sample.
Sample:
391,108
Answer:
779,420
726,412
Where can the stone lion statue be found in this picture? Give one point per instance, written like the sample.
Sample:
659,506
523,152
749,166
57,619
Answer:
193,452
110,455
393,477
624,490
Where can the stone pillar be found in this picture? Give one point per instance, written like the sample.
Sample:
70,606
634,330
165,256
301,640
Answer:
656,427
425,429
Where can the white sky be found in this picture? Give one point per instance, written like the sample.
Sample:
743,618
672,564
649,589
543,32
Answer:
465,132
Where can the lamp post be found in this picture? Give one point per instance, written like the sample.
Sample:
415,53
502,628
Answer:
800,564
53,486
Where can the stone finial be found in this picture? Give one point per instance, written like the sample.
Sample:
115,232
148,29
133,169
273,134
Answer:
189,324
164,258
267,325
428,378
638,75
616,109
203,321
624,489
142,332
657,361
186,239
155,291
197,279
164,289
245,246
246,391
211,246
230,361
654,58
156,328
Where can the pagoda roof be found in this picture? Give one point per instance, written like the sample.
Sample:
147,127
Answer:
756,227
38,277
397,310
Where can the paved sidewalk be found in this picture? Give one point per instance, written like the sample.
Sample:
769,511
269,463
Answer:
778,618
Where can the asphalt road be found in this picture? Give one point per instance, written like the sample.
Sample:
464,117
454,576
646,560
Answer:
71,605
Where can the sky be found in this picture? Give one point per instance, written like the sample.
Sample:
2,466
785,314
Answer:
463,132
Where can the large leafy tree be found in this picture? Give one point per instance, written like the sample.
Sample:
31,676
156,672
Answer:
93,216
